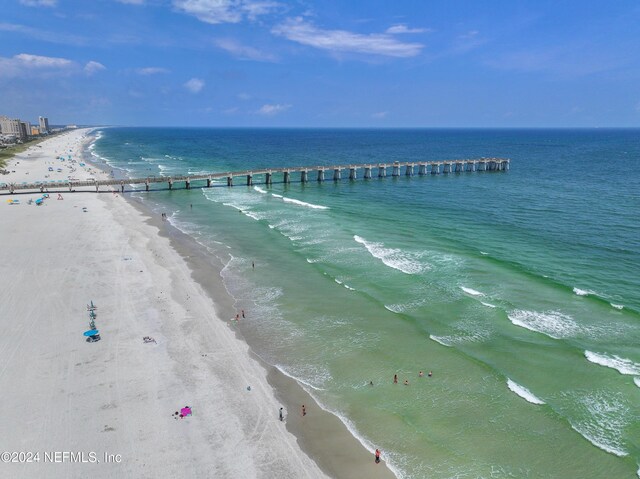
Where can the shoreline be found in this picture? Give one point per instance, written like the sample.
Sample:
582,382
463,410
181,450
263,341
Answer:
147,278
328,440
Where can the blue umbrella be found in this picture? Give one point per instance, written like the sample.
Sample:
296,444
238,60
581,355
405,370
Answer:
91,332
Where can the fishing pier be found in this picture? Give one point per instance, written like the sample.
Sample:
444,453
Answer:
304,173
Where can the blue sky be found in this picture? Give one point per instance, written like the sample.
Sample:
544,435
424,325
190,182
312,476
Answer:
394,63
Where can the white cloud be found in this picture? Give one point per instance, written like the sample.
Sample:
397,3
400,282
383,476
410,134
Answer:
225,11
401,28
92,67
194,85
151,70
242,51
243,96
37,61
39,3
272,110
298,30
380,115
47,36
26,65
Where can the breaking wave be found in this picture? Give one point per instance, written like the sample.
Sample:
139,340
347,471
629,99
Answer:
622,365
551,323
393,257
523,392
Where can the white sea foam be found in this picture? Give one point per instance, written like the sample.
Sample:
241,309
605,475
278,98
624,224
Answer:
302,203
403,307
552,323
622,365
523,392
233,206
259,190
306,383
348,287
582,292
602,418
311,261
637,381
483,253
276,196
470,291
337,280
488,305
617,306
253,215
394,258
440,339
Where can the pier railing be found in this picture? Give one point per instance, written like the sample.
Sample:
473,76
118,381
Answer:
369,170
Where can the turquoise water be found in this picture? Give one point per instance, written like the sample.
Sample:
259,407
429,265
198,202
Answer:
519,290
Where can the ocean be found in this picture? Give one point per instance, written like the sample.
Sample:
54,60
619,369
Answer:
518,290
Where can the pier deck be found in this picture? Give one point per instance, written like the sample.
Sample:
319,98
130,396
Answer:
369,170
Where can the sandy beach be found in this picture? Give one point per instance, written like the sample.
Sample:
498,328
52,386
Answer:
107,408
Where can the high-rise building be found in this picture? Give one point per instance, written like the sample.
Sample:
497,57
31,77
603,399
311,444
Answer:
26,127
12,127
44,124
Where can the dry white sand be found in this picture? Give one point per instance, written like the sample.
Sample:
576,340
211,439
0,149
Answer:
61,394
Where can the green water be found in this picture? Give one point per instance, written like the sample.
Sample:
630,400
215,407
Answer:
494,281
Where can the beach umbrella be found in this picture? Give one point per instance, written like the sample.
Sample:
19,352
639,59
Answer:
91,332
185,411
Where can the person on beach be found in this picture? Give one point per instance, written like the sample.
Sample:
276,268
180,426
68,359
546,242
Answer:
304,411
243,313
430,374
253,265
60,197
281,415
406,382
377,456
237,317
420,374
395,379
